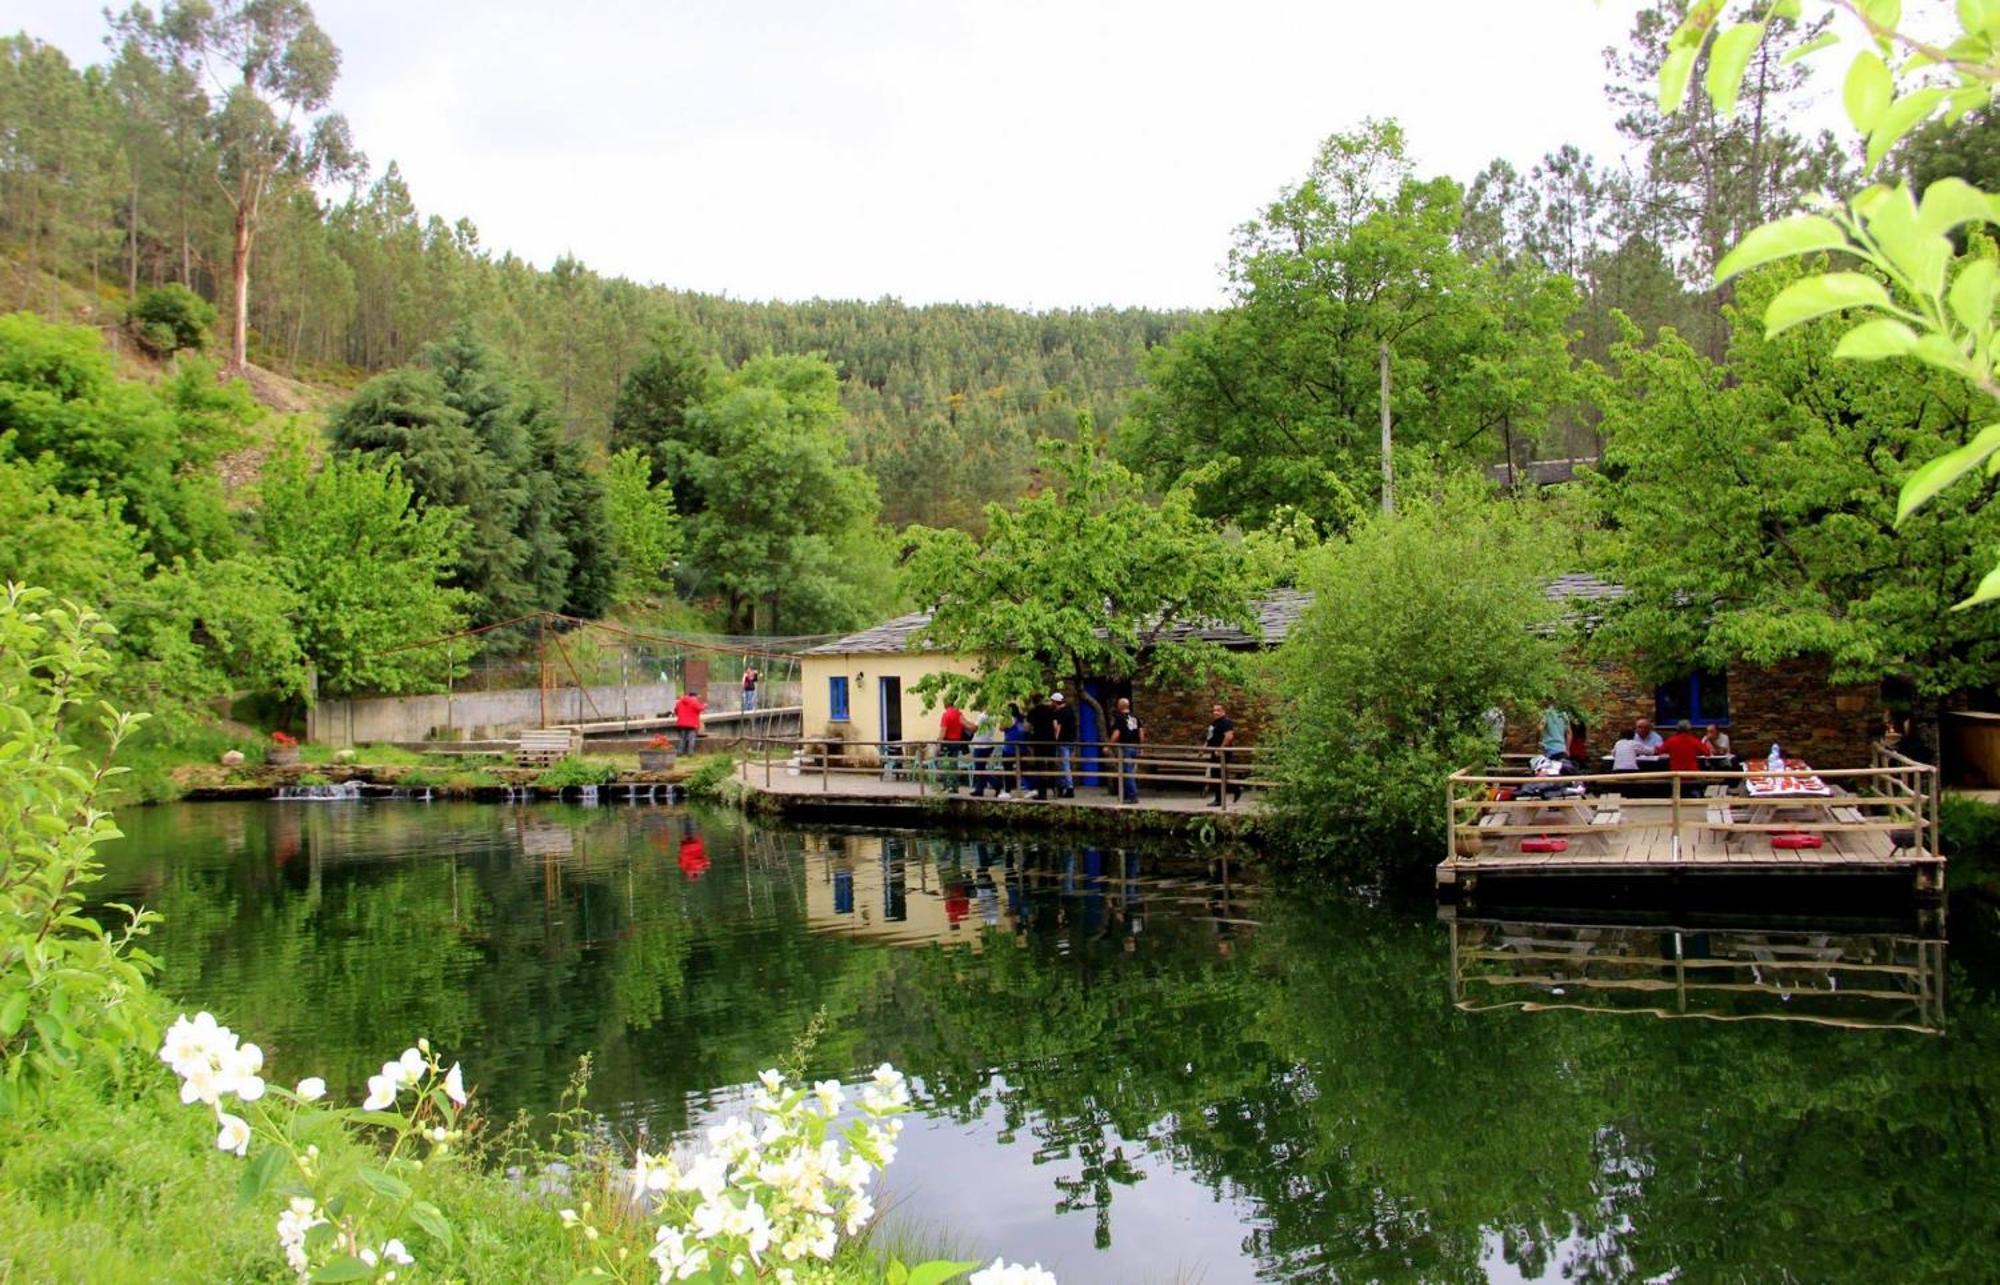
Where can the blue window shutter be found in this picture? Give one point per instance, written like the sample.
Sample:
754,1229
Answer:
836,699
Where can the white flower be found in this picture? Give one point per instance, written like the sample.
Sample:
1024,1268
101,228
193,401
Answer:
412,1063
711,1218
733,1138
454,1085
569,1218
201,1083
772,1079
860,1210
394,1252
708,1175
829,1094
677,1259
1005,1273
293,1224
753,1225
824,1239
234,1135
381,1093
311,1089
439,1134
653,1174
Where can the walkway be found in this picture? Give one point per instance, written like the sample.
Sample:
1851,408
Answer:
869,789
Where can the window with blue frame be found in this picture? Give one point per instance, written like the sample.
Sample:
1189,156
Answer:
1701,698
836,699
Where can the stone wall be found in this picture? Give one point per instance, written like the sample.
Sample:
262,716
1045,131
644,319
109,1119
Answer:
1792,703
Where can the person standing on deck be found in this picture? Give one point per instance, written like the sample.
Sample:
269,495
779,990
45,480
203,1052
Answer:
1065,742
1014,742
1127,733
750,677
987,746
952,736
1042,733
687,720
1555,733
1220,737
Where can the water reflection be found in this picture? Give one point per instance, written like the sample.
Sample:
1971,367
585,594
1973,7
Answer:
1132,1062
1891,976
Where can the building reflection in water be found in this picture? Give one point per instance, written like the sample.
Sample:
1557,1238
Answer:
1880,975
919,889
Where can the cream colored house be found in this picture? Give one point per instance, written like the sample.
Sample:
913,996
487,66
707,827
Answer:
862,687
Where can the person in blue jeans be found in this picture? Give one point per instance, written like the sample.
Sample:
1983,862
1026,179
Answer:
1014,744
1127,734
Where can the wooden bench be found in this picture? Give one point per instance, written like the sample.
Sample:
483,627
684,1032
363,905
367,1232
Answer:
542,746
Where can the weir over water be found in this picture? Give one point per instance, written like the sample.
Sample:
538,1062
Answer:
1135,1063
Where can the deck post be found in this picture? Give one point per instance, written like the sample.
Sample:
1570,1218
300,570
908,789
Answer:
1222,790
1677,817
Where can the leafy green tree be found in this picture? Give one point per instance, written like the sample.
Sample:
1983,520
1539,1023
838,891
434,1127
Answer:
61,401
769,466
1274,403
644,526
1752,509
371,567
1086,579
1421,622
676,375
170,318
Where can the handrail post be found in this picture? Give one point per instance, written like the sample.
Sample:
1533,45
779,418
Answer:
1677,817
1222,780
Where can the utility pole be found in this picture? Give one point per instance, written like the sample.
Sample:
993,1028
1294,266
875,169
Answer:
1388,465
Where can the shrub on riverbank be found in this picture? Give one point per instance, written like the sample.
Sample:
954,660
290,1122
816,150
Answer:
1423,621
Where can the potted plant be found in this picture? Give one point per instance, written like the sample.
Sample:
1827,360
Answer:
284,750
658,755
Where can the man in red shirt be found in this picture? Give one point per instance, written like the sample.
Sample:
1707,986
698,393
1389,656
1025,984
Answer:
951,749
1684,749
687,720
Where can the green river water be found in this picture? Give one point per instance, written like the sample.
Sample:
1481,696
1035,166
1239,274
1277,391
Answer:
1139,1063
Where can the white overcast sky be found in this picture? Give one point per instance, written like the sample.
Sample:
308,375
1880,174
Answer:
1028,152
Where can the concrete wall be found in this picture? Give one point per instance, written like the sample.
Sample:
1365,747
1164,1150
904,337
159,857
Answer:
864,672
479,715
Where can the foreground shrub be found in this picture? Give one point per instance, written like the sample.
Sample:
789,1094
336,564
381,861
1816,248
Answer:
71,991
170,318
1423,621
575,770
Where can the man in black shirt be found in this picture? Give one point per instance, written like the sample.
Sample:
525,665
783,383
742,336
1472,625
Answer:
1065,742
1043,730
1221,735
1127,732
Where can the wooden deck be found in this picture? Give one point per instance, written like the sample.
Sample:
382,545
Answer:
1881,819
863,790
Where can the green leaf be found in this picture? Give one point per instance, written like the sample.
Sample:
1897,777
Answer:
1727,62
1814,297
1812,46
1941,472
1898,119
429,1217
382,1184
1988,590
1674,75
1781,239
1972,16
1886,15
938,1271
1877,339
257,1176
13,1013
1973,292
897,1274
344,1269
1869,90
1952,201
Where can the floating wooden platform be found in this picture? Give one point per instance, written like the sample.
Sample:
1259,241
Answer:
1880,820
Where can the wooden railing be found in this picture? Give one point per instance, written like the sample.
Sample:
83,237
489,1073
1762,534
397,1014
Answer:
1896,796
938,767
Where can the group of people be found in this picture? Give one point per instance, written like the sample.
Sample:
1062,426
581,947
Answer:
1036,751
1565,740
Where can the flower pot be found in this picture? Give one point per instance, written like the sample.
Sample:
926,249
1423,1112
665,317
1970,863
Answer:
282,755
655,760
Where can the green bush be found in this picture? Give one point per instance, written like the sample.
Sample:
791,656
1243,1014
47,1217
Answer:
1422,622
69,988
706,781
170,318
1969,830
574,771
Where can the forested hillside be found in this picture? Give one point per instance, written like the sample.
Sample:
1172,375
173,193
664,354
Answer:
135,173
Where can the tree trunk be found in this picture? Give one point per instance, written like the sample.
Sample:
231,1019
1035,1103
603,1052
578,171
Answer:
240,274
132,239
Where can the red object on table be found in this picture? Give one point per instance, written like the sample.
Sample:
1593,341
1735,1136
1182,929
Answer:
1545,843
1796,839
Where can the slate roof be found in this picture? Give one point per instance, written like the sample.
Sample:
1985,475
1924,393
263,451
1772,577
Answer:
1277,612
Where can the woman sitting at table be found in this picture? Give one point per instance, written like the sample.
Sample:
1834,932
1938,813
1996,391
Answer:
1625,755
1579,746
1715,742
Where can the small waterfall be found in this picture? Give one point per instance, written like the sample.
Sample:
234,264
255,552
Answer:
520,794
318,793
587,795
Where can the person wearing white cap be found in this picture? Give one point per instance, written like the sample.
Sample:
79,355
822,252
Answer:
1065,742
1043,732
